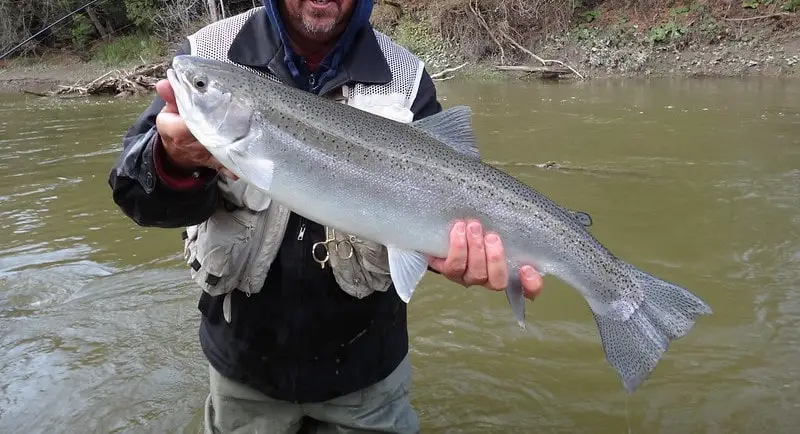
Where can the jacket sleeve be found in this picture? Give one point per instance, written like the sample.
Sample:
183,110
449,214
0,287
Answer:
426,103
148,189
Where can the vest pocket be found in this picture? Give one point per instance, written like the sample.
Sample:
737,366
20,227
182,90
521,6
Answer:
365,272
219,251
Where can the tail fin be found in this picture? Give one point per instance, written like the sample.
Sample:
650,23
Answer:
635,346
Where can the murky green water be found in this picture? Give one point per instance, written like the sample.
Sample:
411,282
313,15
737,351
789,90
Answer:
696,181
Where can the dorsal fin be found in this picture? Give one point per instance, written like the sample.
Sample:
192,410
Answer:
452,127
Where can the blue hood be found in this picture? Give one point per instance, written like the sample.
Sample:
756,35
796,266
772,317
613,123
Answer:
332,61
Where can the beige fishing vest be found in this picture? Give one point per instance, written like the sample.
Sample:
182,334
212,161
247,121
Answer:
235,247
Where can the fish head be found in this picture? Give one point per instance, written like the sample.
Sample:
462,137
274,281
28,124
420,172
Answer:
211,101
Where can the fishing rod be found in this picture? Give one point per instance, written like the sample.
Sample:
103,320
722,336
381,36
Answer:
49,27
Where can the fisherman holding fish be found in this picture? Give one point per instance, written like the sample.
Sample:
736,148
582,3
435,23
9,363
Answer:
300,325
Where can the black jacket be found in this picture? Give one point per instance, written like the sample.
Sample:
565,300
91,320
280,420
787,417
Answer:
302,338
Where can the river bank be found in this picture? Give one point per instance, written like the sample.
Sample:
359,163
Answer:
606,42
648,38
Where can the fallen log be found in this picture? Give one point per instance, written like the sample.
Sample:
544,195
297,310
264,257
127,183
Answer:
547,72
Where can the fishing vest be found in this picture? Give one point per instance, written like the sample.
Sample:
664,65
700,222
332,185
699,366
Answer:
234,248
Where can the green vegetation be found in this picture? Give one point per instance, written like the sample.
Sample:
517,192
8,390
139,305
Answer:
791,6
417,36
786,5
129,48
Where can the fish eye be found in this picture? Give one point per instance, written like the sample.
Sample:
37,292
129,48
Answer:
200,82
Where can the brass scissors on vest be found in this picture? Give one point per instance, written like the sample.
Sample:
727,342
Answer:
329,244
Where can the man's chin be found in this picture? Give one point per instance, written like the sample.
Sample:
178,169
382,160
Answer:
319,29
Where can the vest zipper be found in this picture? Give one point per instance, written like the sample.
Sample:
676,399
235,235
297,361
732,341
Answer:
301,232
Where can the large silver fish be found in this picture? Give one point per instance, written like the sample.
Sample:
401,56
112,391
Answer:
403,185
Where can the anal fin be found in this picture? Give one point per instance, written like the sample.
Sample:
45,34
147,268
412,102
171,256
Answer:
516,298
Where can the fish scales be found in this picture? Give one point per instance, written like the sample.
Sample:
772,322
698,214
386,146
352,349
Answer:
403,186
419,174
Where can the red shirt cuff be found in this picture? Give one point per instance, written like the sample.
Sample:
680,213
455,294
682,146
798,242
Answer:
171,176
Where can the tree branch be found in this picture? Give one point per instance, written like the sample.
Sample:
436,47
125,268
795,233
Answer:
482,22
542,61
761,17
440,75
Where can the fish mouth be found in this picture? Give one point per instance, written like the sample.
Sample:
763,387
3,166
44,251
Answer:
172,77
178,88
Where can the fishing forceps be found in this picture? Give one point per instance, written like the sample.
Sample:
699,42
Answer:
329,244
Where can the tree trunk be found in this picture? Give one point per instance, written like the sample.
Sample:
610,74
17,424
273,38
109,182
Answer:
97,24
213,10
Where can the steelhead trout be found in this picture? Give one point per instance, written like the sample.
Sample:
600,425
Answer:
403,186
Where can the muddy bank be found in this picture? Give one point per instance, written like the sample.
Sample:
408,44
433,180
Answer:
631,52
47,73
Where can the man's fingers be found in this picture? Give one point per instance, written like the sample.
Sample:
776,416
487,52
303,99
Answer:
225,171
169,123
436,263
476,257
531,282
496,264
164,90
456,263
228,174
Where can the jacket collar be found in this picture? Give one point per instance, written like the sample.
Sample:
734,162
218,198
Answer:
259,46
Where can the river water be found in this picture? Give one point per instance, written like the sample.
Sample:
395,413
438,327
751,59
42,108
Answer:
697,181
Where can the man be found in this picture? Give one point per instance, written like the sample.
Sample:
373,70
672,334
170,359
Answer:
291,344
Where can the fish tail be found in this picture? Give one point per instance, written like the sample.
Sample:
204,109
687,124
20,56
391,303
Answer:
634,346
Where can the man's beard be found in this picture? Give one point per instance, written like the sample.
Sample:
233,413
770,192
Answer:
313,28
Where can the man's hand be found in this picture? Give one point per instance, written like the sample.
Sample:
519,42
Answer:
183,150
478,258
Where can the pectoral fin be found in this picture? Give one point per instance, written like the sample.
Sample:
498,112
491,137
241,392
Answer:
255,170
406,268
